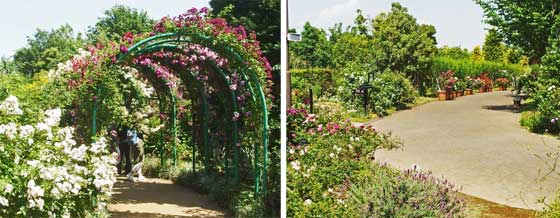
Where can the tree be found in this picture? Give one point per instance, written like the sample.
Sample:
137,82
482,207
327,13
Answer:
119,20
476,54
261,16
511,55
493,49
45,49
551,61
7,66
524,24
360,24
402,45
313,48
453,52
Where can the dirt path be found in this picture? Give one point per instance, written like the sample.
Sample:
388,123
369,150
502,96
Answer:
159,198
477,142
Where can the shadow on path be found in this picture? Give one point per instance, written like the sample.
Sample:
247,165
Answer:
159,198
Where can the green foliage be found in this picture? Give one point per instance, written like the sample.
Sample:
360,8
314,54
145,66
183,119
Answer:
35,93
320,80
152,167
476,54
333,174
119,20
493,49
7,65
313,50
402,45
391,91
551,61
552,210
466,67
261,16
524,24
352,51
391,193
453,52
336,155
45,49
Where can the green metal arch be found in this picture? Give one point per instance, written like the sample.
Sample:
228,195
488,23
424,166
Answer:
214,44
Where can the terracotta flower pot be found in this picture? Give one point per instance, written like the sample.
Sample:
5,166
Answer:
458,93
503,88
441,95
481,89
449,94
468,92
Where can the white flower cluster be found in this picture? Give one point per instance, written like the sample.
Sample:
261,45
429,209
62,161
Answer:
131,74
66,67
10,106
53,169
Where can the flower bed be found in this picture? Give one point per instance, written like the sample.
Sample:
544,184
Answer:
44,172
332,173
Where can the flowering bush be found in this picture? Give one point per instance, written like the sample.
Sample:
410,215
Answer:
331,172
323,155
502,81
545,119
45,173
476,83
448,80
486,81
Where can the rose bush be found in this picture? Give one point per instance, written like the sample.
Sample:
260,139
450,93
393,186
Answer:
45,173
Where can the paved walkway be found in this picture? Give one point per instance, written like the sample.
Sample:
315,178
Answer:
159,198
477,142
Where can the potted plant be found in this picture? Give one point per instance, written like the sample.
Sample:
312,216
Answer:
469,82
486,82
460,86
450,85
447,83
502,83
477,84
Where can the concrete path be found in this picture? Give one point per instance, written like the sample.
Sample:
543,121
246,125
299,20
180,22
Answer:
477,142
159,198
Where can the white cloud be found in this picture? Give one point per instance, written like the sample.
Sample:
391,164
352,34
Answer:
341,8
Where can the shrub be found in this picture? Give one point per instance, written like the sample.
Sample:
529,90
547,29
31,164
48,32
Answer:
552,210
548,109
391,91
321,80
467,67
324,154
43,172
411,193
331,166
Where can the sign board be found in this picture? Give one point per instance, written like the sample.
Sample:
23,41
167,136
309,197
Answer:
294,37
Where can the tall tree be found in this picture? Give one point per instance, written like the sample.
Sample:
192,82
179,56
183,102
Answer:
45,49
402,45
314,47
119,20
524,24
261,16
493,49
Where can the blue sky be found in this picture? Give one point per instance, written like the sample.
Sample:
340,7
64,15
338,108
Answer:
457,22
22,18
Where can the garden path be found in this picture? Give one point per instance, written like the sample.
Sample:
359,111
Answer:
476,142
159,198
